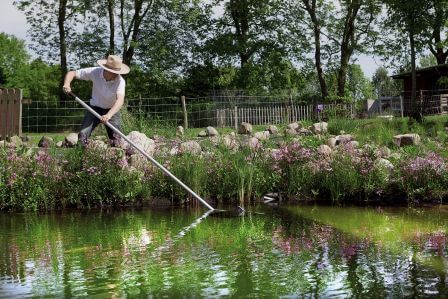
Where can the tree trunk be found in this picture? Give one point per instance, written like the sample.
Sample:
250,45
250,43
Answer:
239,11
416,109
311,9
347,45
318,60
342,73
62,45
436,43
110,10
438,52
134,28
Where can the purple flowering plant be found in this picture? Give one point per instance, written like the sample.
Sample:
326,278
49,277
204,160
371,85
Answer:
424,175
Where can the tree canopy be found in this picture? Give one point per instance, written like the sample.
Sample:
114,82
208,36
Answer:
305,47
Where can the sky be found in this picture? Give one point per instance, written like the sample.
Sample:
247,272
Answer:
13,21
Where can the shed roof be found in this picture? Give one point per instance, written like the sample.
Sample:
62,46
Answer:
441,69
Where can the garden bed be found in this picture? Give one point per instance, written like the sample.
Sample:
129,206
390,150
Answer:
234,169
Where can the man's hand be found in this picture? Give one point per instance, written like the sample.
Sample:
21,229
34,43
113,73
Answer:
66,89
105,118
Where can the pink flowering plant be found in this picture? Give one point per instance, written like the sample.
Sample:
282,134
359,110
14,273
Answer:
29,182
99,177
424,176
346,172
289,166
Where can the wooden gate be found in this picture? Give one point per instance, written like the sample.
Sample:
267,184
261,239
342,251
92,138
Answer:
10,112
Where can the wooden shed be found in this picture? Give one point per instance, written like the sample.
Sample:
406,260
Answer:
431,87
428,79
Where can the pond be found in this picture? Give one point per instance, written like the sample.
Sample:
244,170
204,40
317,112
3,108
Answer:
289,251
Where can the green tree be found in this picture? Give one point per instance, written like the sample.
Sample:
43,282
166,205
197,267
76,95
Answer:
54,27
410,17
339,30
383,83
316,20
13,60
437,36
245,30
359,87
132,15
427,61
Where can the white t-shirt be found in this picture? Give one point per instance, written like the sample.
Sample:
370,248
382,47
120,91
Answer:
104,93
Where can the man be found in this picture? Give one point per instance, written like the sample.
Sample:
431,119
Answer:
107,95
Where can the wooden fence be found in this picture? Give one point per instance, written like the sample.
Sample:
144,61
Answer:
275,114
10,113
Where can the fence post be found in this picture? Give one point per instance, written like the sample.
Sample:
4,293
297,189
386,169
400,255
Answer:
235,116
184,110
9,112
421,102
3,113
401,106
18,112
139,111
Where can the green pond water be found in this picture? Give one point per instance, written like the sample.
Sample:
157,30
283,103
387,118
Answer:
290,251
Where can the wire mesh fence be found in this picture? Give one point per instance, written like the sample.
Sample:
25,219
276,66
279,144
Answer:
41,116
427,102
228,111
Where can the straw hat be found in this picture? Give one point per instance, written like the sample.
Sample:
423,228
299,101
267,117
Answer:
114,65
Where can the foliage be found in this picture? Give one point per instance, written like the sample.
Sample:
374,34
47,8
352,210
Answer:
13,60
423,176
383,84
94,181
301,168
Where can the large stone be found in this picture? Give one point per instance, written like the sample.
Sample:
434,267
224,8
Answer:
406,139
345,138
294,126
251,142
384,152
15,141
215,140
290,132
245,128
202,133
320,128
191,147
230,142
273,130
304,132
45,142
324,150
211,131
71,140
147,144
180,131
262,135
332,142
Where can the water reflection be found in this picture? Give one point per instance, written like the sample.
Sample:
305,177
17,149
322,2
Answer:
304,251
